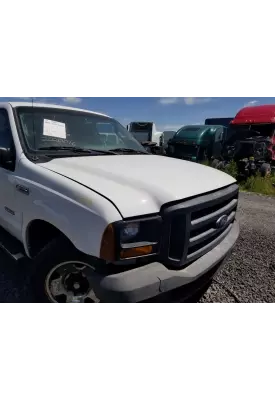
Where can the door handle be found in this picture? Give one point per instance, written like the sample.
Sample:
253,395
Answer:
23,189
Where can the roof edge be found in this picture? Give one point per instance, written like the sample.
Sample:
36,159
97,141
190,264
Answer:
15,104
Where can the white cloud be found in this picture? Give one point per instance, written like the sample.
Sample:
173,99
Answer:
72,100
169,100
189,101
251,103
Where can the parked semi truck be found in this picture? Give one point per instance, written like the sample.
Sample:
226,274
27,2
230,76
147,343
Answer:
249,140
147,134
253,139
197,143
219,121
167,135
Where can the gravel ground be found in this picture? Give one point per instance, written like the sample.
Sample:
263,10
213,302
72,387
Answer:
248,275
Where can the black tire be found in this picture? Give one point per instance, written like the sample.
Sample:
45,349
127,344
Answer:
54,253
265,169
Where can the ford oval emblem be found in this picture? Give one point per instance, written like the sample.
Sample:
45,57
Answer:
221,222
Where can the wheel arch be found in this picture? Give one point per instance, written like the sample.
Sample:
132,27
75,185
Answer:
38,234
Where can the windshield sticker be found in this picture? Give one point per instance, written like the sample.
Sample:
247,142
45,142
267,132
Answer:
54,129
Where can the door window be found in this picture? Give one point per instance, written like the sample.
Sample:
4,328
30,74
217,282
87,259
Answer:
6,140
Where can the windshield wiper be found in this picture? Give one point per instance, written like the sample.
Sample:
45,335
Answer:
103,151
130,151
92,151
71,148
75,149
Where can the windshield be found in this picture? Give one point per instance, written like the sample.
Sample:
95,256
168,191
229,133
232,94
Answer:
45,127
243,132
168,135
254,130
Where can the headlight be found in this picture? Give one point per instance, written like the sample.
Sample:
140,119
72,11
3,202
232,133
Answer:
129,231
131,239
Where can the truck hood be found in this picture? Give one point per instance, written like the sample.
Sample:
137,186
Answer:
140,184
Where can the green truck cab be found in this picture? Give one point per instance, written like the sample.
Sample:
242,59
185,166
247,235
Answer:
197,143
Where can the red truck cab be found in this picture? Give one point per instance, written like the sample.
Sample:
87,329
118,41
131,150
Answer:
258,123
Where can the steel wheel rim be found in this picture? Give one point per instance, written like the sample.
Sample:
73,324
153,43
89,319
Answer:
69,280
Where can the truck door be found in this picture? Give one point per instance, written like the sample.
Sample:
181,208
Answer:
10,218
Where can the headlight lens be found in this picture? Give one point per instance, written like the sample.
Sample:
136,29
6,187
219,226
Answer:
131,239
129,231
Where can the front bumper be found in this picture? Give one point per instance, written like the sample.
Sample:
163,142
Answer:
154,279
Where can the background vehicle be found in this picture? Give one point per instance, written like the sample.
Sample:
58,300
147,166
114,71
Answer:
253,139
109,137
146,133
219,121
197,143
167,135
92,223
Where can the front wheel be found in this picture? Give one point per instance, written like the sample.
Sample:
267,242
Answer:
61,274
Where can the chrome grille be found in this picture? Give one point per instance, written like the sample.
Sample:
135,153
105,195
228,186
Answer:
190,229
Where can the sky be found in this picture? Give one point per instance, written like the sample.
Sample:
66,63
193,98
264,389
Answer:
169,113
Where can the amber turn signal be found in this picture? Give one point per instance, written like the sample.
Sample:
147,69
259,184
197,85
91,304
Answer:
107,248
136,252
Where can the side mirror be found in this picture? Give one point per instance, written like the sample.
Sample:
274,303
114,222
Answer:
6,156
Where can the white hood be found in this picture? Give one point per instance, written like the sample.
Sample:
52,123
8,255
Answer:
140,184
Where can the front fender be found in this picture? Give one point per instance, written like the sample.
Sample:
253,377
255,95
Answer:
79,213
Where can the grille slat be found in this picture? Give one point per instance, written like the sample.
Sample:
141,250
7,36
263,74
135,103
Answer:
200,222
191,229
195,240
209,246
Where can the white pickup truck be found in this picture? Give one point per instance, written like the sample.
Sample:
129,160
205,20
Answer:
94,224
